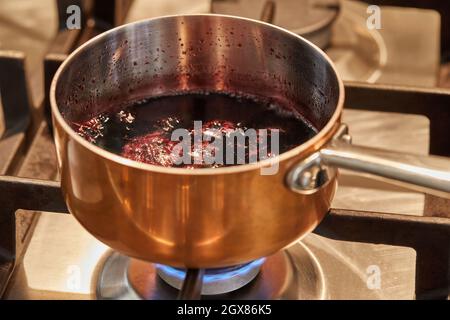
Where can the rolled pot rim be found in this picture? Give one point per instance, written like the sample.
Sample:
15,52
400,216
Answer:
312,144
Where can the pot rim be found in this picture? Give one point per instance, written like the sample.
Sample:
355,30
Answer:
319,139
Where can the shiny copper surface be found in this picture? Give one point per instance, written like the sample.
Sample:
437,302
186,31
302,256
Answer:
186,220
201,217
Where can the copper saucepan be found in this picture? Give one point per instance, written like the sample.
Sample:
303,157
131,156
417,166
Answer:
211,217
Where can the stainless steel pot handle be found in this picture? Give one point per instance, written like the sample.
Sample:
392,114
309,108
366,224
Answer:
429,174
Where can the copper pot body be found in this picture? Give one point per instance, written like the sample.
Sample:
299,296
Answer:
202,217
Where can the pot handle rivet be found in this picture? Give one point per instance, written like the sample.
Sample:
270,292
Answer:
309,175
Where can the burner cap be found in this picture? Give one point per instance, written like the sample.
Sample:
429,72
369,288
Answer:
291,274
311,19
215,281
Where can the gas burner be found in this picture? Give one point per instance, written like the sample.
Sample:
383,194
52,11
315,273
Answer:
217,280
291,274
311,19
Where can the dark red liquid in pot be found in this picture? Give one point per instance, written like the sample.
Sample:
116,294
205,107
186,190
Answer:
143,131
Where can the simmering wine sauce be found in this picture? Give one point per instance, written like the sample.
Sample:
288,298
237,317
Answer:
144,131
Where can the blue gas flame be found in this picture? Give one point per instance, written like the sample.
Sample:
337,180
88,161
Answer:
213,277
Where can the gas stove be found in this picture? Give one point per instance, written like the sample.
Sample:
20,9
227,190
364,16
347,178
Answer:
377,242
